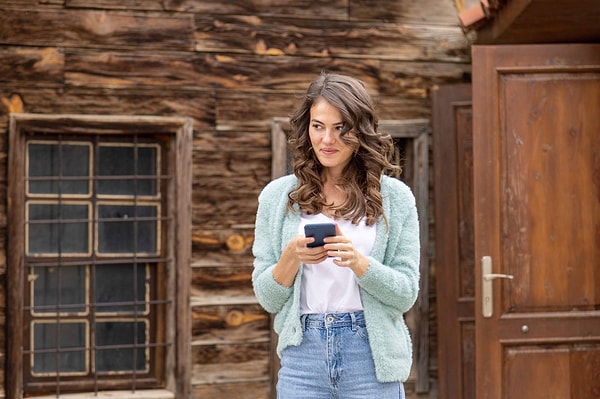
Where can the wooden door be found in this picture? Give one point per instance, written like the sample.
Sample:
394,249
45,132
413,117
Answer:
536,144
454,260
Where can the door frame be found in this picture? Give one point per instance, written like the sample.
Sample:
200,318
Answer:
454,254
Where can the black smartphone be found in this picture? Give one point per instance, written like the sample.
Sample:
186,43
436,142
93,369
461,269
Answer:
319,231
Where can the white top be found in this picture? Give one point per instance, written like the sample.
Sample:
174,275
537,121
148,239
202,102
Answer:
327,287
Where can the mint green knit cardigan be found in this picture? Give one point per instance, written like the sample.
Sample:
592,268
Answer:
388,289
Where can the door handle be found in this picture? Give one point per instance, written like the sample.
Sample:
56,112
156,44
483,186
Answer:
486,285
491,276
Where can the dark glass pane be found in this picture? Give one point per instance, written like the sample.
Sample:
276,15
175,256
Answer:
66,354
51,237
122,285
121,161
123,336
59,289
54,160
125,234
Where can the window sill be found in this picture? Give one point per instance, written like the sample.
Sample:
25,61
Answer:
140,394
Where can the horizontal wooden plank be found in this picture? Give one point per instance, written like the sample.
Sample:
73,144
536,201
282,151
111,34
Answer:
127,70
217,373
91,68
147,5
128,394
224,211
231,336
240,357
230,297
6,4
32,66
298,8
224,277
263,35
249,183
219,258
95,28
395,107
224,297
232,141
233,323
228,184
223,163
254,110
432,11
256,389
415,79
198,105
233,240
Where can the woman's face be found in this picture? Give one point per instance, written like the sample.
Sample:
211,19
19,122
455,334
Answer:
324,130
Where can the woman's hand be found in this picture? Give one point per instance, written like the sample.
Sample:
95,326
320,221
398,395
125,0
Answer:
345,255
312,255
295,253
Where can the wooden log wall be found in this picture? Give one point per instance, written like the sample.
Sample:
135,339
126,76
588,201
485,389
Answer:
231,66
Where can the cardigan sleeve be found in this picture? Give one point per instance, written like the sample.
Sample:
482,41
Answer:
267,248
394,280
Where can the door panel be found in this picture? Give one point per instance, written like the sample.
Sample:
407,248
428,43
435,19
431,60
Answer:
549,191
536,145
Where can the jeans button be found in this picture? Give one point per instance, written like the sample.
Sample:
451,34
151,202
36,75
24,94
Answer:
330,319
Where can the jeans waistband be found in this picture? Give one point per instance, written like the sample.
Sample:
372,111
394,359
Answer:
333,320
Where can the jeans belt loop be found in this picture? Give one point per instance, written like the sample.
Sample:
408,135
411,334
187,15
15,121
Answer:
303,321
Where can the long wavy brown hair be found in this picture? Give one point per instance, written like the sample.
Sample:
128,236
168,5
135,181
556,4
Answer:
361,178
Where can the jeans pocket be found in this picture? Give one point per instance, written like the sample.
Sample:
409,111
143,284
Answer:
362,333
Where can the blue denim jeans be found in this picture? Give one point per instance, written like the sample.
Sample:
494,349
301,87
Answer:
333,362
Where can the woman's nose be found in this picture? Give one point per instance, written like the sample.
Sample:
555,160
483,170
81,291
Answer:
330,136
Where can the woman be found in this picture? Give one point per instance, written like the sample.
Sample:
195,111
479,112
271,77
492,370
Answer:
339,307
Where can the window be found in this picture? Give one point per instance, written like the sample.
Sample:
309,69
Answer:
99,237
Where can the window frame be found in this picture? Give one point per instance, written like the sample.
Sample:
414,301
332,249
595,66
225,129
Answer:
177,135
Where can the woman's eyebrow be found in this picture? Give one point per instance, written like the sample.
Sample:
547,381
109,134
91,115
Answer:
340,123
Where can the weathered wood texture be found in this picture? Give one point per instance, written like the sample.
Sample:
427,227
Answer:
232,67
